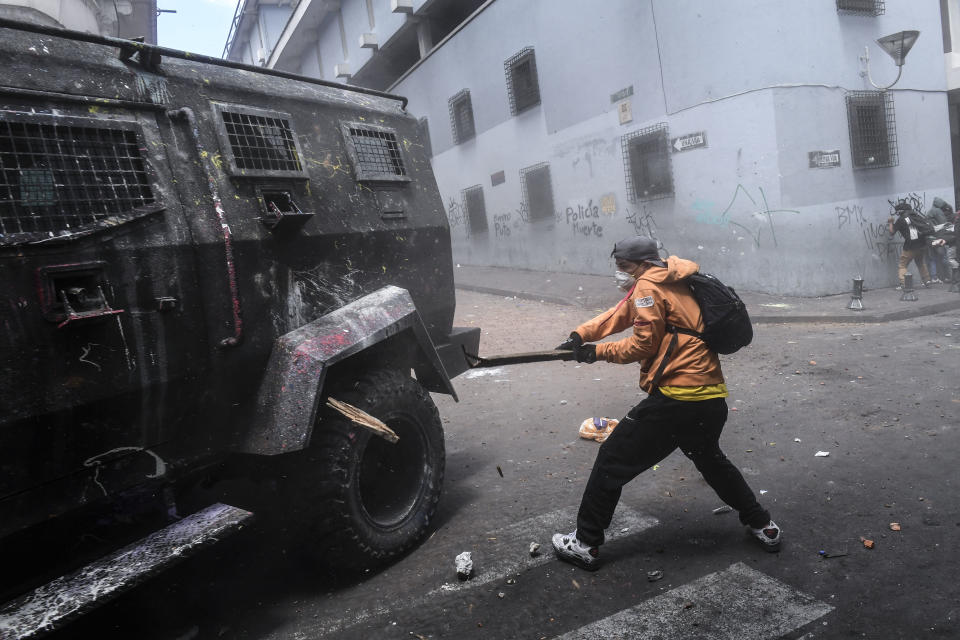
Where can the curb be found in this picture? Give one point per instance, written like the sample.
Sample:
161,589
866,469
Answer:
861,318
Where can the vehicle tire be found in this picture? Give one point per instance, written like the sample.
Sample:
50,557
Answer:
376,499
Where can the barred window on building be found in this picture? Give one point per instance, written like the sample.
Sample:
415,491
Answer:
461,117
476,209
873,129
861,7
537,190
646,161
523,88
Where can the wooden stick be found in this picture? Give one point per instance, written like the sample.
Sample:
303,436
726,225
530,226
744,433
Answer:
363,419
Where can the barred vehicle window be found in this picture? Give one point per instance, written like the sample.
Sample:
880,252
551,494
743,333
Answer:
257,142
59,175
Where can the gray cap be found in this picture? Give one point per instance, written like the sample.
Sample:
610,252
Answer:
638,249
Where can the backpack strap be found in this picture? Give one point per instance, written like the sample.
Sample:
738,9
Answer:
673,329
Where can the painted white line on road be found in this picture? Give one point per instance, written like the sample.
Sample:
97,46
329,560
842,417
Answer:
508,554
496,555
738,602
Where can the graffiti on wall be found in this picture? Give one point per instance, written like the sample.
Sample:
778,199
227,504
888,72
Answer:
748,212
642,221
455,213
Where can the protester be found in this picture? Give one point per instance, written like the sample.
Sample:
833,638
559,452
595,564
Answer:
686,408
940,215
914,245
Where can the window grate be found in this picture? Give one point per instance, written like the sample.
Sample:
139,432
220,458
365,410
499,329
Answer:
537,190
476,208
377,152
861,7
873,129
461,117
261,143
523,88
59,177
646,161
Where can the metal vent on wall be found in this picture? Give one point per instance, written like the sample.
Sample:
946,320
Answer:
873,129
258,142
861,7
537,190
476,208
461,117
646,161
63,175
523,88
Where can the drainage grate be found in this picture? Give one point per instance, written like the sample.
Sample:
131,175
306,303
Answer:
261,143
377,152
60,176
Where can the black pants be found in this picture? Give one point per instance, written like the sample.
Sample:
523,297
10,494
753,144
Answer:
648,434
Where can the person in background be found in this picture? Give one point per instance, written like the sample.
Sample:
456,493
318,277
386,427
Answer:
685,407
941,215
914,246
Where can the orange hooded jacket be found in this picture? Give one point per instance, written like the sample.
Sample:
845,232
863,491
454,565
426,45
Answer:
658,298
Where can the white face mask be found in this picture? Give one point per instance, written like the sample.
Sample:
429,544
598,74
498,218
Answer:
624,280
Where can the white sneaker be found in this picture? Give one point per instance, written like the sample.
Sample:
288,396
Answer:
769,536
570,549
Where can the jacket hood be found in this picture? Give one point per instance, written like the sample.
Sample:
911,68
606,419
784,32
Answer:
676,269
939,203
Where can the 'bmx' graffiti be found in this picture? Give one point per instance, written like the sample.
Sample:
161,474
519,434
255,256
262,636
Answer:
455,213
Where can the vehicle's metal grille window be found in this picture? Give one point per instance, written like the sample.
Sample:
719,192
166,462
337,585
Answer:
261,143
377,152
537,189
873,129
59,177
646,161
461,117
476,209
523,89
861,7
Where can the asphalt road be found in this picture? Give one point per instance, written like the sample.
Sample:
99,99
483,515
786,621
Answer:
883,400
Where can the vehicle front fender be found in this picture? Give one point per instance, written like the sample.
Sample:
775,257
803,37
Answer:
290,392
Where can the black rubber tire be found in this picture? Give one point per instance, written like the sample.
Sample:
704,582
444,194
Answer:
376,500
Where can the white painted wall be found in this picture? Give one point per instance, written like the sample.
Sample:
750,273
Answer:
766,82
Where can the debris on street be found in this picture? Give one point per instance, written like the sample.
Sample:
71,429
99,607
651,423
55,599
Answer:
534,549
500,471
464,562
598,429
831,554
867,544
894,526
724,509
653,576
821,454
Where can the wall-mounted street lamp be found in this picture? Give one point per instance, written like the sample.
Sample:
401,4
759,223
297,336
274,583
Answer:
898,45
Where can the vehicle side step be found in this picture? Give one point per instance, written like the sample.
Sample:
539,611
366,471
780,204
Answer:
48,607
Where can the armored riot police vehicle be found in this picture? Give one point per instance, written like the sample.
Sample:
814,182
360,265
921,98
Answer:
195,257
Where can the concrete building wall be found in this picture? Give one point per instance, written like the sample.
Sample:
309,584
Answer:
766,83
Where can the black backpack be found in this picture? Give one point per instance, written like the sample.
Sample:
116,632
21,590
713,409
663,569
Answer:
726,323
922,223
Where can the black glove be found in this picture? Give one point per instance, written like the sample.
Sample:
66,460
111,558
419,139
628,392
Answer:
586,353
571,343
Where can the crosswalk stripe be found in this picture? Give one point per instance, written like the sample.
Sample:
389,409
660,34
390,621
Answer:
509,553
738,602
498,554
